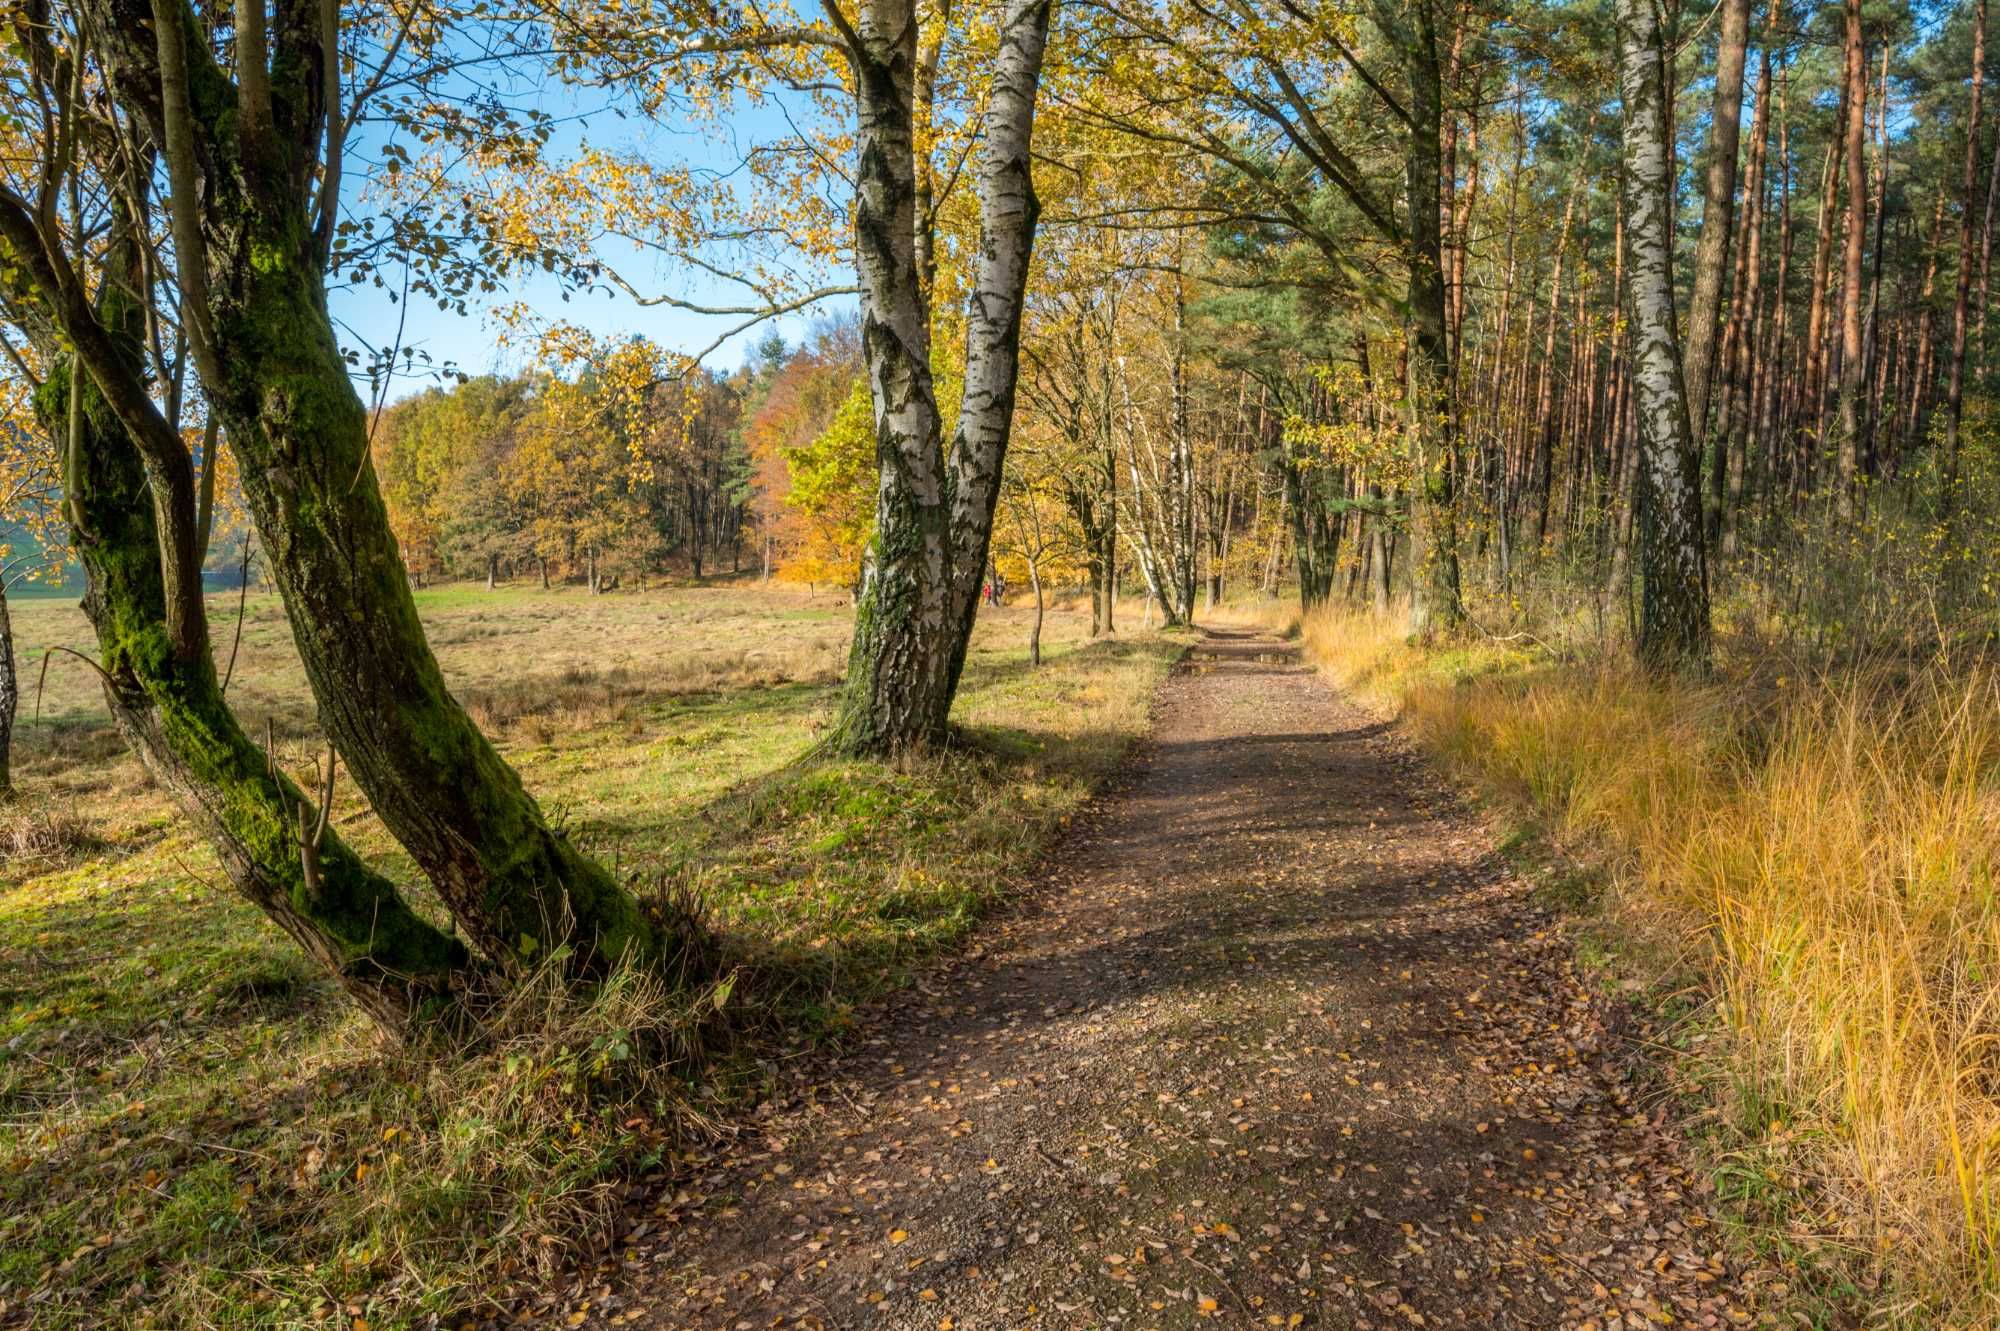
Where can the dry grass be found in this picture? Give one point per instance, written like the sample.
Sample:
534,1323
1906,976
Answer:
1824,853
32,838
1267,614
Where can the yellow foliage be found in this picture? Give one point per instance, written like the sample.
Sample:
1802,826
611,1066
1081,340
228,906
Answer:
33,537
832,492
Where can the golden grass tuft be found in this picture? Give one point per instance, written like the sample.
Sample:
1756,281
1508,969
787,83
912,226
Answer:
44,837
1824,852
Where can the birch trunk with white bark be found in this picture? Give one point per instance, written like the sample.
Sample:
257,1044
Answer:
934,506
1673,616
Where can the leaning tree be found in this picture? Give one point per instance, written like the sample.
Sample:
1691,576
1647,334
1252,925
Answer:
244,131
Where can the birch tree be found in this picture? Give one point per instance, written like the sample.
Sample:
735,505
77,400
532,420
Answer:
935,502
875,71
1673,619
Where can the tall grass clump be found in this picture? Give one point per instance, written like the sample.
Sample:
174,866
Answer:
1818,849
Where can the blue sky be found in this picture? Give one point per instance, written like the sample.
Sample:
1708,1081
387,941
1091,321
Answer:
469,342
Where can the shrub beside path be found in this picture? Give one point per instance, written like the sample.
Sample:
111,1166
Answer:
1279,1042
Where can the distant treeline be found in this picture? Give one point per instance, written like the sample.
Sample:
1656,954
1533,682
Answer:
627,469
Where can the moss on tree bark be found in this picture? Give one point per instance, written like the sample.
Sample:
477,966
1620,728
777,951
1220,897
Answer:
516,885
242,196
170,709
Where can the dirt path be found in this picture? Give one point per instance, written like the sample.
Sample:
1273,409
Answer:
1283,1045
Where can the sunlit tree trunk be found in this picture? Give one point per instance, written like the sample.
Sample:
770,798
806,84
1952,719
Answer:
1986,250
1380,546
349,919
934,507
240,201
1738,429
134,511
1035,630
1955,383
1673,623
1853,359
1178,507
1541,466
1771,359
1809,391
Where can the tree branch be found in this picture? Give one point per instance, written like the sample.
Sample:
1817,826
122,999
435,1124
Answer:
253,65
183,183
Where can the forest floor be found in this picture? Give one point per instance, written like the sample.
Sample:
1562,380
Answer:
1278,1040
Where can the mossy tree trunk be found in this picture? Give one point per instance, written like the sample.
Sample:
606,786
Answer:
934,507
242,197
168,705
515,884
134,516
10,696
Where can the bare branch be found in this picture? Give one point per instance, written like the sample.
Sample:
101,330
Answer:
183,184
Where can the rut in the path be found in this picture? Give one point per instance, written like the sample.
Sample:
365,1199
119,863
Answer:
1283,1044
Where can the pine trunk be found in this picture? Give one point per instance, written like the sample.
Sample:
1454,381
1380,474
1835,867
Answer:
1853,358
1711,261
1742,363
1955,383
1436,607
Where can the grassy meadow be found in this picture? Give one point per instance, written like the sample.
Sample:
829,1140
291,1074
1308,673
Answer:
195,1130
1797,870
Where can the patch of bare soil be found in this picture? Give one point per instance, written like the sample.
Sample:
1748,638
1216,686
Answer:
1281,1043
